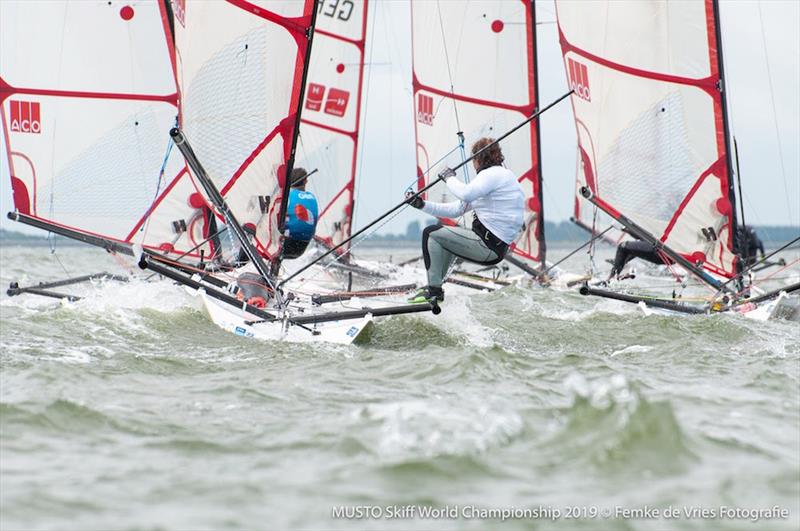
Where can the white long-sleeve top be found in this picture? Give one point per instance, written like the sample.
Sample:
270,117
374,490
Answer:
496,197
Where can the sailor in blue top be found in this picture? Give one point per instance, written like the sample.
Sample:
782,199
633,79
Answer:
301,216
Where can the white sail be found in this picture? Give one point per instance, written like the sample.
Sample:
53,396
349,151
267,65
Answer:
88,97
649,114
473,72
329,129
240,69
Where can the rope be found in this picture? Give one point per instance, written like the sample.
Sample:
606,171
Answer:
363,127
447,62
774,113
787,266
163,169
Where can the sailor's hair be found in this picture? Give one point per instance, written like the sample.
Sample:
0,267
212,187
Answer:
491,156
298,177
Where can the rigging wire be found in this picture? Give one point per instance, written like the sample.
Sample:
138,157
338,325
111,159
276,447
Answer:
447,62
161,172
337,257
363,125
774,113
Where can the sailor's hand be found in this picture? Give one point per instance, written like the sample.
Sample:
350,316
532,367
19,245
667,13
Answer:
445,173
414,200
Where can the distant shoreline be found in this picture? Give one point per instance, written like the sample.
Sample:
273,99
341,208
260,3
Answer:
772,236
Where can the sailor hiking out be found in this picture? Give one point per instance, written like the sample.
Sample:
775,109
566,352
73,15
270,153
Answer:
497,201
301,216
629,250
748,243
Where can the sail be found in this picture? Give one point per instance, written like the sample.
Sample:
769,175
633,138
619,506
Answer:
240,67
474,72
649,113
592,219
88,97
331,114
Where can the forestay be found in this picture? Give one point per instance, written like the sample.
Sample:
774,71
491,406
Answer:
649,114
240,69
329,129
474,69
88,96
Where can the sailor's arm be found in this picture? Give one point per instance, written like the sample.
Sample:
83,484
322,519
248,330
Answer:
479,187
452,209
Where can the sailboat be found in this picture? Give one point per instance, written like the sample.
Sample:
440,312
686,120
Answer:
228,84
651,120
233,85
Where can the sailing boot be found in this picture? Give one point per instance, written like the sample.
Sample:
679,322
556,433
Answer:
427,294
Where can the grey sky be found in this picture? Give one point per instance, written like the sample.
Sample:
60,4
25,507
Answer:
771,183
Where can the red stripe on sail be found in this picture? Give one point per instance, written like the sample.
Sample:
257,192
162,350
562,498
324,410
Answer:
707,84
156,203
6,90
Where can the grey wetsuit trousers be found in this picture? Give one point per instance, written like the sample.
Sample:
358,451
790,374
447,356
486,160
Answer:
441,245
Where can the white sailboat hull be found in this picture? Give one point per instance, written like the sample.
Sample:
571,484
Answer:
236,321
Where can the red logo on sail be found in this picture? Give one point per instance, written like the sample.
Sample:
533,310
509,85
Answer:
425,109
179,8
579,79
25,117
337,102
316,93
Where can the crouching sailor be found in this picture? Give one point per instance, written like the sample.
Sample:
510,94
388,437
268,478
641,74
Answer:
301,216
629,250
497,201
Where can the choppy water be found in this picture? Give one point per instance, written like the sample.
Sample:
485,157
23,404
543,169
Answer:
129,409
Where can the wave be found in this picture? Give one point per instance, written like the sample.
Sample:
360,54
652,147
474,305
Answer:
406,431
611,427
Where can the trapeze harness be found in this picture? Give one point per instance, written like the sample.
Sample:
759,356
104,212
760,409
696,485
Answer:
498,203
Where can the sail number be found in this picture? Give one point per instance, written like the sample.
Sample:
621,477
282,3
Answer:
341,9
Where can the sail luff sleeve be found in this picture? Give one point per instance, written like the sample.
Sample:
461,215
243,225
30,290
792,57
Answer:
725,127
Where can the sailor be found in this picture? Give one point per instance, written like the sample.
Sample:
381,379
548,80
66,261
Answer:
301,216
627,251
497,201
749,245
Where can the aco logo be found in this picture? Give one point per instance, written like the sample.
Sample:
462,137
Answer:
579,79
425,109
25,117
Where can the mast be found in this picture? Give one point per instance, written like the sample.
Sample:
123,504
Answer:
538,177
726,129
296,128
